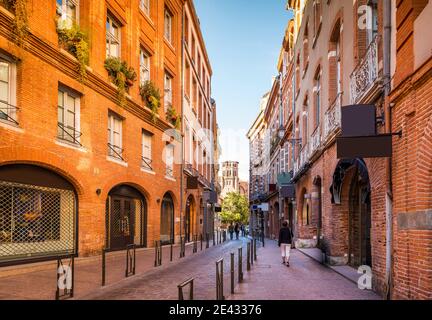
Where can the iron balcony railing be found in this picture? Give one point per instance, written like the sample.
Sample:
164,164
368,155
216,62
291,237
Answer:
203,180
302,159
365,74
146,163
315,140
332,117
115,152
169,171
189,169
8,112
69,134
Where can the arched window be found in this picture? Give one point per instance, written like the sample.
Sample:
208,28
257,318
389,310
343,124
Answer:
306,48
317,97
305,113
167,220
335,63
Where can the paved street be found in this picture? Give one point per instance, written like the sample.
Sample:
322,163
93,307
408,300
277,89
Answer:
304,279
268,279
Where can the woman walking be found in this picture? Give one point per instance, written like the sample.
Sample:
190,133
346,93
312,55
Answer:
285,240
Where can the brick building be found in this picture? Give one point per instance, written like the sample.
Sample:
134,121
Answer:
359,211
89,161
199,129
411,112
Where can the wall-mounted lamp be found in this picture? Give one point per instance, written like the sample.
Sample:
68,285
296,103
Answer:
98,192
158,200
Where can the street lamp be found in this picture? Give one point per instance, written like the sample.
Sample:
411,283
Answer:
281,132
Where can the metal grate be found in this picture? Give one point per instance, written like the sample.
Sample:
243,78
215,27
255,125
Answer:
35,221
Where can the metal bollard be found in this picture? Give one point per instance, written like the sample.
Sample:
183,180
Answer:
232,272
248,255
214,239
103,266
255,249
251,252
219,280
201,240
207,240
195,244
240,264
171,251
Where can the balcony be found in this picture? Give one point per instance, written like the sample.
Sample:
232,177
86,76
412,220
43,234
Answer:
68,134
332,118
146,163
8,112
203,180
190,170
315,140
302,159
365,76
115,152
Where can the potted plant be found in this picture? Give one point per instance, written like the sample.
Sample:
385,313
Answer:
150,94
75,41
122,76
173,117
20,24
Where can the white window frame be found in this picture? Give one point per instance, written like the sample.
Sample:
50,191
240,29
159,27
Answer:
144,67
169,160
145,6
76,113
147,141
111,38
8,106
112,119
64,19
168,93
168,25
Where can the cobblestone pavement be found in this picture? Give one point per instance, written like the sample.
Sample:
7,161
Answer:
38,281
304,279
161,284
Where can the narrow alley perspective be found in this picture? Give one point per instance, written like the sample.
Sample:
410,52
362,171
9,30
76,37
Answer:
226,155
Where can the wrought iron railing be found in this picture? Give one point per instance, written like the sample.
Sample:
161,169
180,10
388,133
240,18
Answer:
146,163
8,112
169,171
366,73
315,140
203,180
302,159
219,280
332,118
188,168
69,134
115,151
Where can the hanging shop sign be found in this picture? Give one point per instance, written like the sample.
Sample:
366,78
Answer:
359,138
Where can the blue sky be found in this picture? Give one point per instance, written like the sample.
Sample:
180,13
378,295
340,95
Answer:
243,40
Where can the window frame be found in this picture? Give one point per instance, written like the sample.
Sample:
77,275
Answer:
144,8
110,37
76,114
11,108
168,34
168,91
112,117
146,150
63,16
144,68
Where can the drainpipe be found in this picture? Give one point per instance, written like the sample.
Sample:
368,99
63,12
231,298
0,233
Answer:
182,122
388,129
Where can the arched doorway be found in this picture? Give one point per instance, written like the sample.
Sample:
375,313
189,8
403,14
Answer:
126,218
38,214
351,191
167,220
190,214
360,220
317,204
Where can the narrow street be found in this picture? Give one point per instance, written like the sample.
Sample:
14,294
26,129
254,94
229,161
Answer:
267,280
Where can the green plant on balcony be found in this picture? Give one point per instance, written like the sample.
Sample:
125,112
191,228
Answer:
75,41
122,76
20,23
173,117
151,97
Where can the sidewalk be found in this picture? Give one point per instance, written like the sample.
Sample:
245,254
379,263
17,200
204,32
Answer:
39,281
306,279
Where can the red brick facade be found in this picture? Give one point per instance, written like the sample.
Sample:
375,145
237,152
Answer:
42,66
